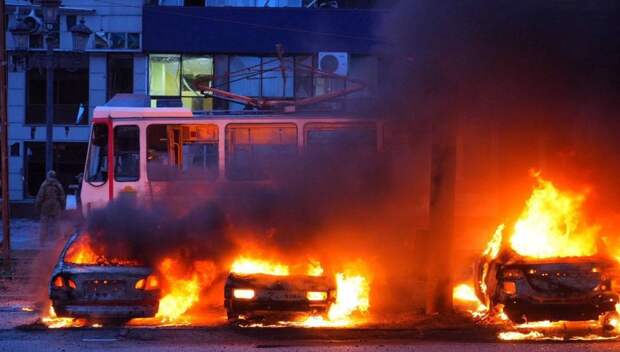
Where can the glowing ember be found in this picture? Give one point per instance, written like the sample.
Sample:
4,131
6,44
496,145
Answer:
550,225
246,265
515,335
464,294
54,322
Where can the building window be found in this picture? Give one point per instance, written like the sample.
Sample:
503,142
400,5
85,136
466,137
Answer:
68,162
262,76
277,78
117,41
120,74
194,3
174,77
70,96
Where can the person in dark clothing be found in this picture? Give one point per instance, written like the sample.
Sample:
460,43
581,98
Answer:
50,203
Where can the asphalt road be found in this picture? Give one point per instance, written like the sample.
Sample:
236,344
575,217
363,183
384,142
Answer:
229,339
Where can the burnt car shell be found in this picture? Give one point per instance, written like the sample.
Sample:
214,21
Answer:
100,292
572,289
277,297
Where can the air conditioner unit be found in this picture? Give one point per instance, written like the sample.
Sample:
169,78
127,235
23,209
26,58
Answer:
334,62
34,22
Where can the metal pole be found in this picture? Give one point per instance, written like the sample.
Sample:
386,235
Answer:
6,239
49,105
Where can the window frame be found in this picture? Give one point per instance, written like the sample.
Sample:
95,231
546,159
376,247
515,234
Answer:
228,145
180,96
116,149
217,172
87,170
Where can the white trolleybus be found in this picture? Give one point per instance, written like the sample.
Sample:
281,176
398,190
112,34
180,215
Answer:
136,149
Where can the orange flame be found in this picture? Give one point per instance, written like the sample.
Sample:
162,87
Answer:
183,290
246,265
550,225
464,295
81,252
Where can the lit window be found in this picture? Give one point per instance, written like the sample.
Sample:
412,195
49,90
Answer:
164,77
195,68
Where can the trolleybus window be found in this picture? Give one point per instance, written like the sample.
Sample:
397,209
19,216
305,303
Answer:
182,152
97,170
323,137
253,150
126,153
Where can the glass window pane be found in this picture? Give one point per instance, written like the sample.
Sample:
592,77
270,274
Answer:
277,83
195,68
182,152
126,153
97,164
254,152
326,137
245,75
117,40
164,74
133,40
303,76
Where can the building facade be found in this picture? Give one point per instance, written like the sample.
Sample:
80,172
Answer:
159,48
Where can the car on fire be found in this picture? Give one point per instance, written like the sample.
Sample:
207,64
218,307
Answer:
86,285
534,289
265,297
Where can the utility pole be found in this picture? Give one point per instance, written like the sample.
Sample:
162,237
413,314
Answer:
441,208
6,238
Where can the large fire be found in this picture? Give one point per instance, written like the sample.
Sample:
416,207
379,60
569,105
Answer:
84,252
352,290
549,226
247,265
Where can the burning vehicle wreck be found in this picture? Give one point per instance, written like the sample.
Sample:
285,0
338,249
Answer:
261,291
552,267
273,297
573,289
86,285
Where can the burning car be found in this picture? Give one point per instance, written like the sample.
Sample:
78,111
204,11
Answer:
87,285
530,289
264,297
552,266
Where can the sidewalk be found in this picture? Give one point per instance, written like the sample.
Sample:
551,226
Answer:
23,287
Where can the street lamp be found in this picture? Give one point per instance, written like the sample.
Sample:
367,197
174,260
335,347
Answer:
20,33
80,34
50,12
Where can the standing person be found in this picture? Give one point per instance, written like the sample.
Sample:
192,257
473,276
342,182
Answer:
50,203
